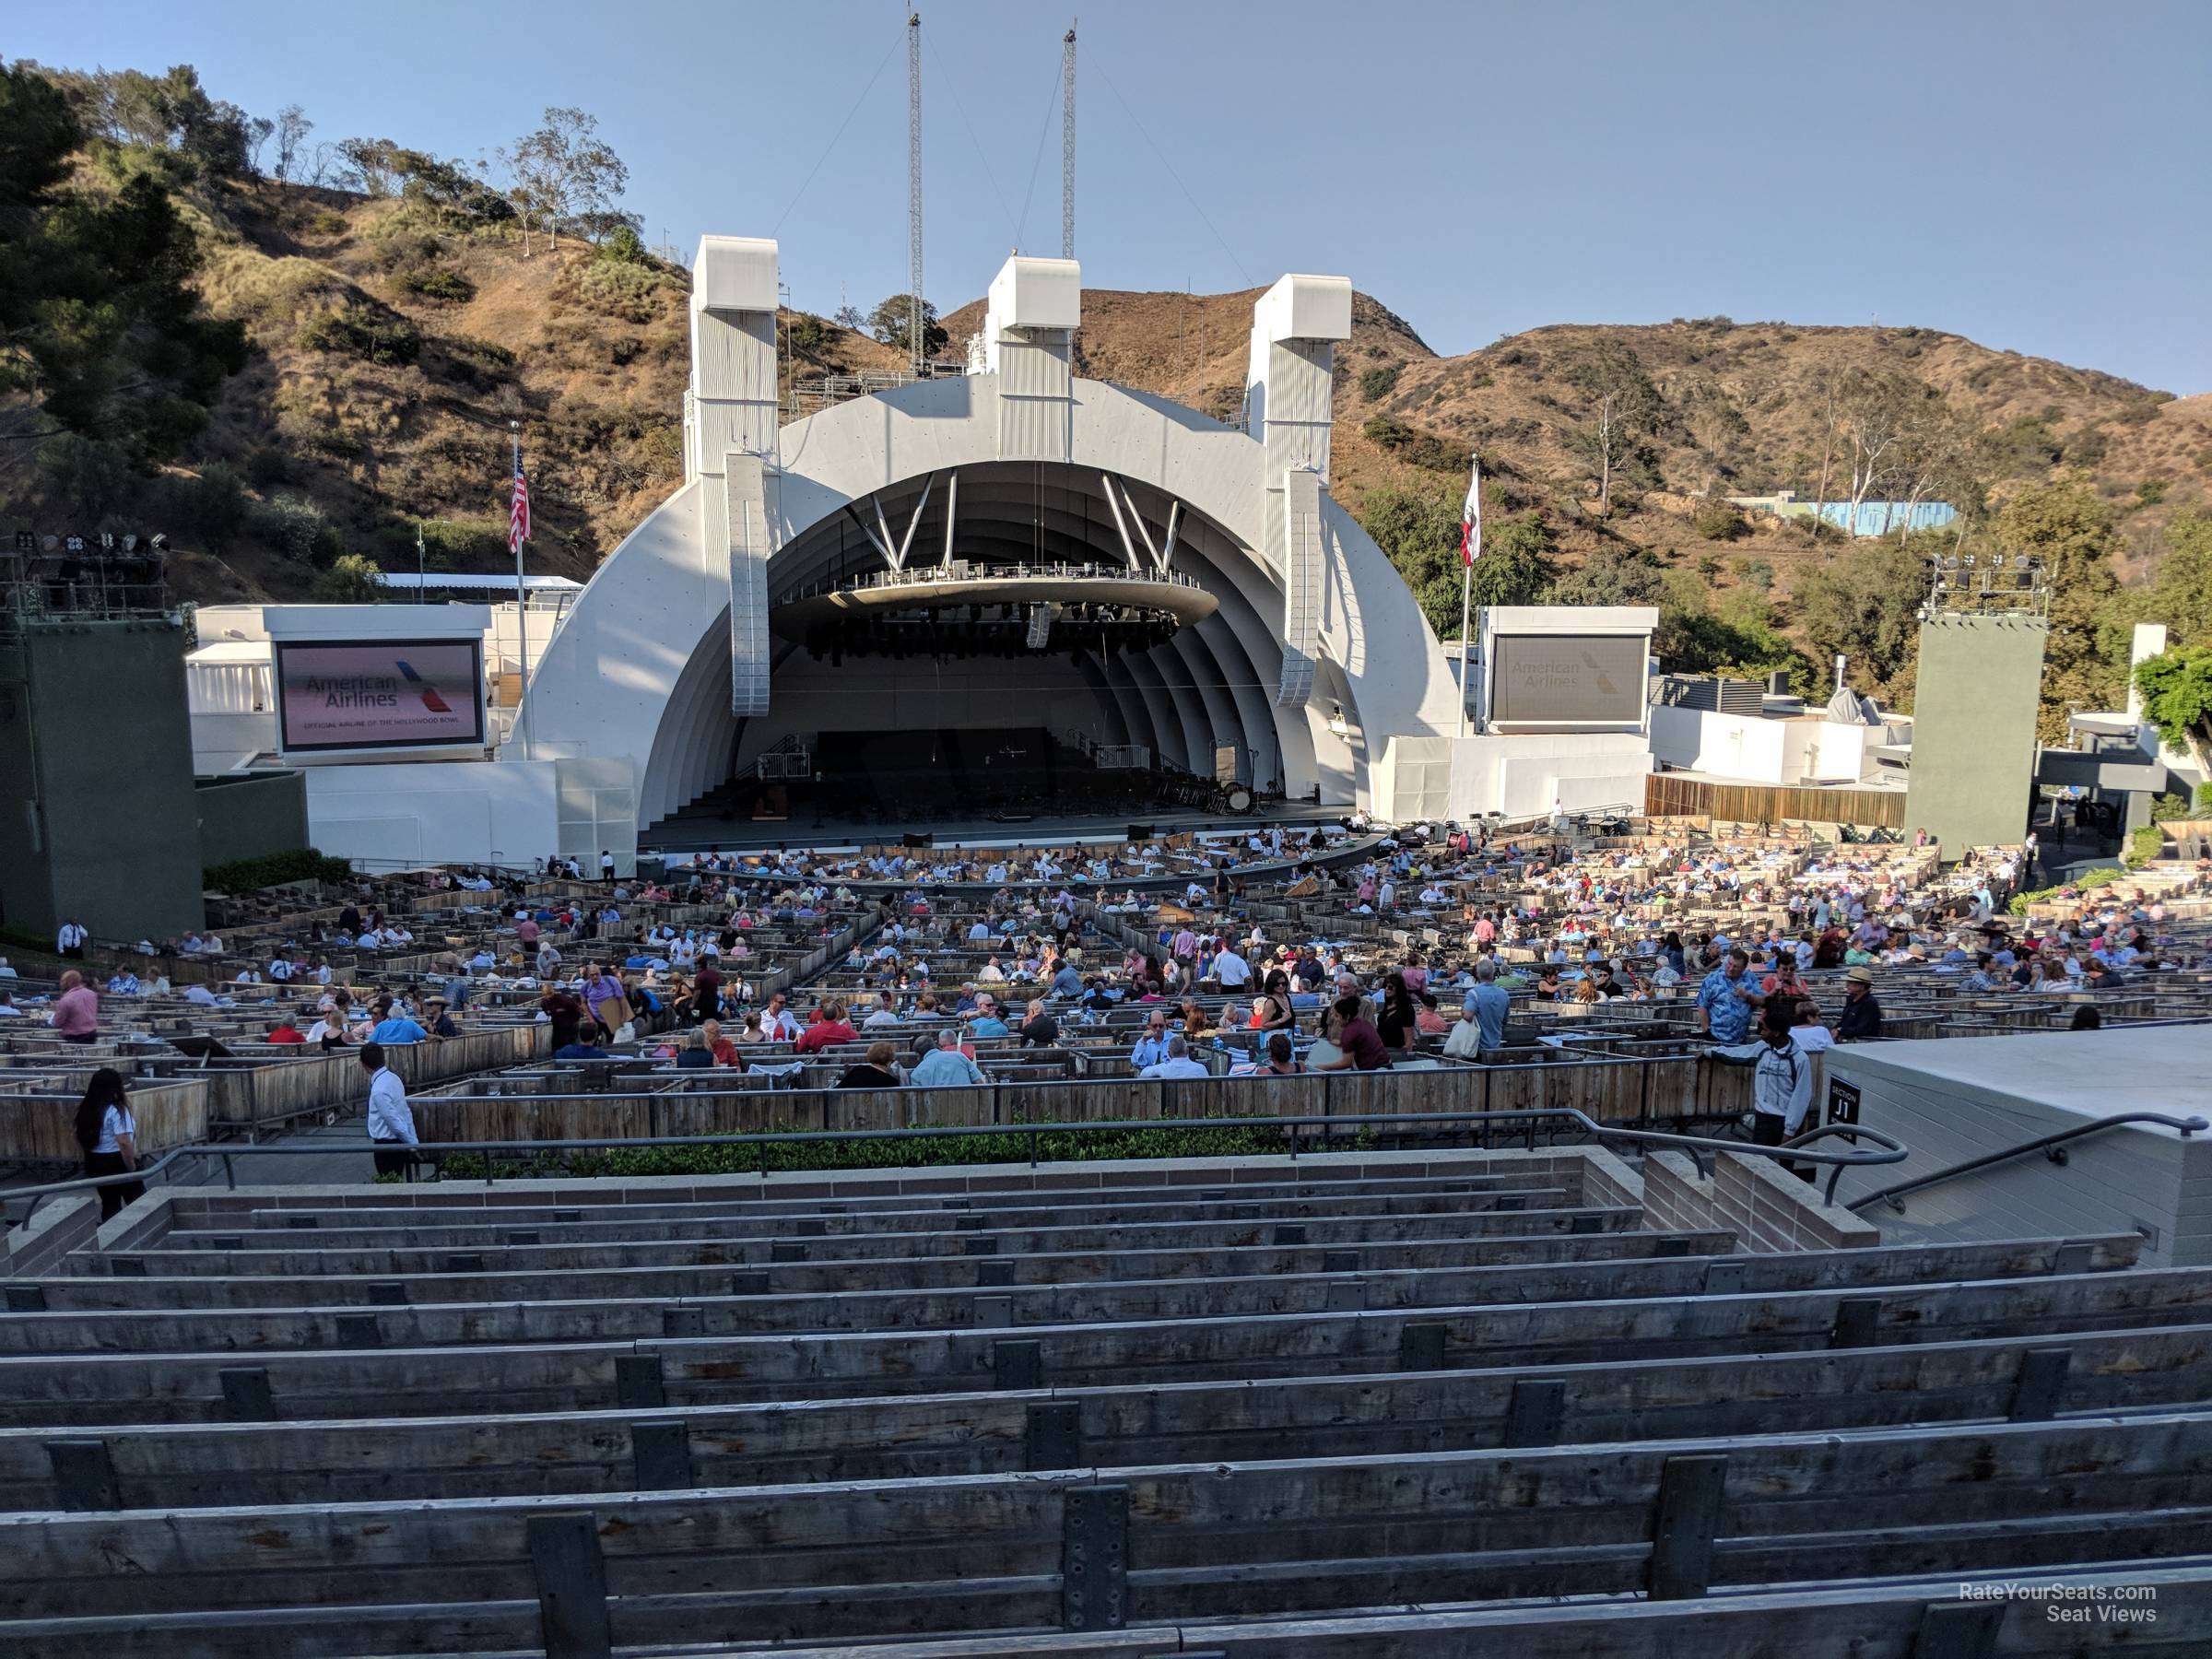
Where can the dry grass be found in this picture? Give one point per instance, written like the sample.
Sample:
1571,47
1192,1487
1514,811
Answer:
598,365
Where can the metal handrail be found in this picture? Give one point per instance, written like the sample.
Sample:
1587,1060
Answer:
1886,1152
1893,1195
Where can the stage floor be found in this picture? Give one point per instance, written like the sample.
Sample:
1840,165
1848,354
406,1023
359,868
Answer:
686,833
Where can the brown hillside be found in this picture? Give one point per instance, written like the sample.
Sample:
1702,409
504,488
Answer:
590,356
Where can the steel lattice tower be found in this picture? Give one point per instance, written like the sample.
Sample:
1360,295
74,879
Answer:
1068,144
913,187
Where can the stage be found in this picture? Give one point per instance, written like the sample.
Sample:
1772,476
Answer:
702,830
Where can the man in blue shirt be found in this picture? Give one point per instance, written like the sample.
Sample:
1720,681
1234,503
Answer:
1726,1000
393,1027
1067,981
1152,1047
986,1022
1488,1003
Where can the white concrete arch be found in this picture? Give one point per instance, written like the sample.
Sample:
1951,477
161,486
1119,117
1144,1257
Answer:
640,666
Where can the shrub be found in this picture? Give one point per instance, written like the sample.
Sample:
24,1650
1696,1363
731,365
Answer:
2145,844
355,331
447,543
2150,492
490,354
91,471
1378,382
274,869
806,332
1410,443
217,502
628,291
624,246
741,1155
351,580
266,465
2171,808
2089,881
439,283
327,223
1717,520
295,526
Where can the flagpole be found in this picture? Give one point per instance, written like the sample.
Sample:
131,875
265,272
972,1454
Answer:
1470,549
522,622
1467,666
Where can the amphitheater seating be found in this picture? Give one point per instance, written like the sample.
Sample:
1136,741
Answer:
1368,1403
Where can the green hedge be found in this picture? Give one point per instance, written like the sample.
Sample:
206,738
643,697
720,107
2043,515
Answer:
744,1156
2145,844
2087,881
273,869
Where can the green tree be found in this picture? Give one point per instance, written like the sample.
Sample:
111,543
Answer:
170,113
888,323
1418,532
2177,699
89,473
1864,605
1621,408
2181,595
1516,563
1614,574
2073,533
351,580
563,173
623,246
101,328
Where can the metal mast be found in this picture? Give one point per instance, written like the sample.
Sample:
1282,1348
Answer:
914,186
1068,144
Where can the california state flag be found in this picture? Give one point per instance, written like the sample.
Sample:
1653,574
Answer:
1470,518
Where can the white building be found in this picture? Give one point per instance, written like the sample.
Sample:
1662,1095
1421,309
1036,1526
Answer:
1277,627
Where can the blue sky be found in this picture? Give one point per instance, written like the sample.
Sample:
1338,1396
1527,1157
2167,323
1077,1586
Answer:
2030,174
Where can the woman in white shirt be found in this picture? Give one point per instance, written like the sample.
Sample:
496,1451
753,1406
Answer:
110,1137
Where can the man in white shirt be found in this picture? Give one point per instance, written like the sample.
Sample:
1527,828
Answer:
1178,1063
391,1120
1231,969
69,939
779,1021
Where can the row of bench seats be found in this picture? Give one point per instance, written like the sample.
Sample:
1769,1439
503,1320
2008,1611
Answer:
1367,1403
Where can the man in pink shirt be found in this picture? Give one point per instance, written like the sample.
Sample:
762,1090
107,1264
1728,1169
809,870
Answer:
75,1010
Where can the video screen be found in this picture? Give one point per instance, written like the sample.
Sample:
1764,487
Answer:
1547,679
379,694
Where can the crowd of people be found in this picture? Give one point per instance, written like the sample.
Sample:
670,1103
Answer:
1291,950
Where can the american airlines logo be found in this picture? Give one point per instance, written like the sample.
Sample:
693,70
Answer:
430,700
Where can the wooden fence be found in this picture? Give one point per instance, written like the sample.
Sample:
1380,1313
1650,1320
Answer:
1661,1088
38,1131
1669,794
270,1096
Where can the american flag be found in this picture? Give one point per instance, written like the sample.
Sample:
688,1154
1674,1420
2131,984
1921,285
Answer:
518,513
1470,519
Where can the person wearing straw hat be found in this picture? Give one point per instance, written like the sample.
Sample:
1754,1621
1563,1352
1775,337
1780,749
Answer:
1861,1015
